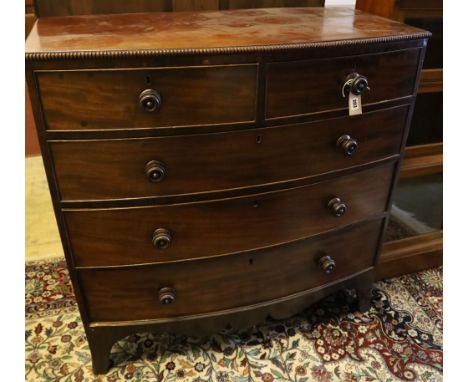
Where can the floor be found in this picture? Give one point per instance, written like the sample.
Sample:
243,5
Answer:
42,237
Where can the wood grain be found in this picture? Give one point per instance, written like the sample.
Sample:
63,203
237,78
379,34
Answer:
431,81
251,28
410,255
190,96
45,8
384,8
86,7
102,335
306,87
113,169
422,160
240,4
30,17
108,237
193,5
222,283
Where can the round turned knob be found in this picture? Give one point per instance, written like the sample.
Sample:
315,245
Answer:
337,207
167,295
327,264
150,100
155,171
356,84
359,85
162,238
347,144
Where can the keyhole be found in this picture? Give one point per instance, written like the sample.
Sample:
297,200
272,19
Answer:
148,80
250,261
255,204
259,139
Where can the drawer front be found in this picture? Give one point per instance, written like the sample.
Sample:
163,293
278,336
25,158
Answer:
164,233
110,99
117,169
211,285
306,87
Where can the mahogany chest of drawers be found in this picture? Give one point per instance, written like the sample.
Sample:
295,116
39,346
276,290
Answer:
215,168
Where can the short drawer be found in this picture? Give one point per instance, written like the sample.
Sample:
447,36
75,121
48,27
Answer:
307,87
114,99
211,285
123,168
104,237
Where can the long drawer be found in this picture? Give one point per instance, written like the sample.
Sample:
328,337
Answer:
115,99
222,283
123,168
138,235
204,286
306,87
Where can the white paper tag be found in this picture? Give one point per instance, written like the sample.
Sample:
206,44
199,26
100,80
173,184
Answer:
354,104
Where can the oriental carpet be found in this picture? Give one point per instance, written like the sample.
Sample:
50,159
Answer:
399,339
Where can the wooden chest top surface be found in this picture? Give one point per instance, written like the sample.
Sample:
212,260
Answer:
217,31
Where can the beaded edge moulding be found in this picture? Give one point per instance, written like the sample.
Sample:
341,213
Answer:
34,56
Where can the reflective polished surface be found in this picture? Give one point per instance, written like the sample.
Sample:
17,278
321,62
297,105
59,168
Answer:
211,29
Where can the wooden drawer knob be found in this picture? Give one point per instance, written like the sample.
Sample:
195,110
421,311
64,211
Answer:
167,295
347,144
162,238
356,84
155,171
327,264
150,100
337,207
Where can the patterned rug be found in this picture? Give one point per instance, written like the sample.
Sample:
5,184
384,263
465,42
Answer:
399,339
